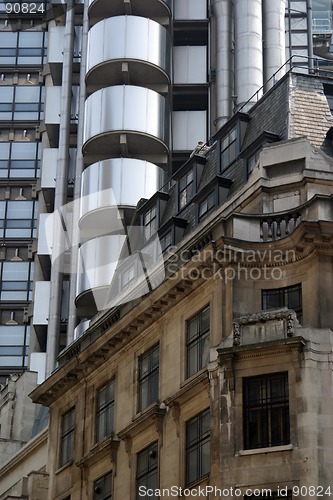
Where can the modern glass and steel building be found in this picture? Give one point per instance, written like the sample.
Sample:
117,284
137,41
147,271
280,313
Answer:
100,103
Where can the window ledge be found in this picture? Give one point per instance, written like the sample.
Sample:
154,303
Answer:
63,467
270,449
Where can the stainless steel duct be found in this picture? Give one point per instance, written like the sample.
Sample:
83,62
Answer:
224,86
72,316
274,40
248,50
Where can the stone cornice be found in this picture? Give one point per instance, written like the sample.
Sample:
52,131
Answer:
261,349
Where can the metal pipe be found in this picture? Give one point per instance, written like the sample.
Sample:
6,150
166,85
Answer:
310,37
60,197
274,40
72,316
248,50
224,87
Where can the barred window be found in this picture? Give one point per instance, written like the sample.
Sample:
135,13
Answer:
67,437
105,410
147,470
266,411
197,341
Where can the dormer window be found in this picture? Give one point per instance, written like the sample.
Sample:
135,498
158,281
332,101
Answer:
228,148
206,205
252,161
127,276
185,189
150,223
151,213
166,241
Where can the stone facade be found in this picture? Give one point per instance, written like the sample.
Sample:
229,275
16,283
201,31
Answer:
244,312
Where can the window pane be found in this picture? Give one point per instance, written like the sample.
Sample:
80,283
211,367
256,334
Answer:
8,39
266,411
198,447
23,150
148,377
27,94
147,469
31,39
198,341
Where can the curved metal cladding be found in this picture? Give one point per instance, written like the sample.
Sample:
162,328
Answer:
139,114
98,259
224,65
142,43
275,40
248,50
145,8
111,184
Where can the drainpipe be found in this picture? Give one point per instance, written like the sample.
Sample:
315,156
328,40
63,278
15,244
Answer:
310,37
224,88
60,198
72,317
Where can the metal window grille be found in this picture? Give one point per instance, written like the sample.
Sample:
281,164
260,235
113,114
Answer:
266,411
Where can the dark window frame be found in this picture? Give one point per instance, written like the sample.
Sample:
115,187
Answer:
148,476
186,185
211,201
198,343
67,438
100,485
266,419
150,222
196,446
229,147
283,296
148,379
105,408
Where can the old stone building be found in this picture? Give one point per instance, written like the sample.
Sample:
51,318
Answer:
218,374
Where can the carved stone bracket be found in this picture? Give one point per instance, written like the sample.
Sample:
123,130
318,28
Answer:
158,421
290,325
237,336
128,447
175,408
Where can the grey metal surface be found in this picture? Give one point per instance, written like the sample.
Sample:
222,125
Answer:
98,259
119,182
248,49
142,43
153,8
142,114
224,63
274,39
